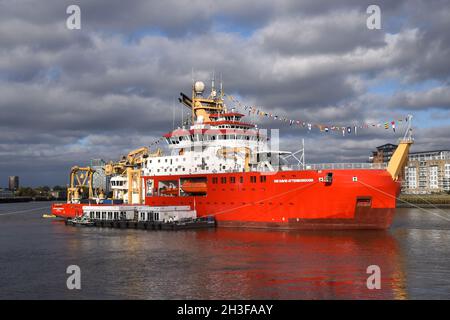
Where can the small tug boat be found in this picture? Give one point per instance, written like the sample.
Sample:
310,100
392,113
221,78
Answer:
82,221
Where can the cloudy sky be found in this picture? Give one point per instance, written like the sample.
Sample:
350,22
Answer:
70,95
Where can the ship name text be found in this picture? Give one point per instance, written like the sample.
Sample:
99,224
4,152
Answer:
293,180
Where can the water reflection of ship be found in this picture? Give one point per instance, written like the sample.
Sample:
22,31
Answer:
227,263
307,265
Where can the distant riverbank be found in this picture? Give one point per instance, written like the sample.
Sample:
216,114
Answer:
25,199
424,201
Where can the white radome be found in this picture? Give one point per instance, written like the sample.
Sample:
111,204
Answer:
199,87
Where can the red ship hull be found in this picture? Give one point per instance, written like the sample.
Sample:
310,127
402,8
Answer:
353,199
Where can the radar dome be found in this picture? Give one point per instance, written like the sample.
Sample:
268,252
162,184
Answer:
199,87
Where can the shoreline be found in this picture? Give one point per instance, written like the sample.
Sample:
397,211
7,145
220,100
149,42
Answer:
26,199
424,201
423,205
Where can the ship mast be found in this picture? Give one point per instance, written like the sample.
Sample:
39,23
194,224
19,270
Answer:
202,107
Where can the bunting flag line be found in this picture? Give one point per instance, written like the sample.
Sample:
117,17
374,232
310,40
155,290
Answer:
252,110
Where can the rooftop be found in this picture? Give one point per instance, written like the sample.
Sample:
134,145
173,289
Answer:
431,151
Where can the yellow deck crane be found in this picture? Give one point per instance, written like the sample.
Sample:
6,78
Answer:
399,159
130,167
80,178
230,152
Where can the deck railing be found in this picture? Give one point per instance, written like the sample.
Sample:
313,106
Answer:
336,166
319,166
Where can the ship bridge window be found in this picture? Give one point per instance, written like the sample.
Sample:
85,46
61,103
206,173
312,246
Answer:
253,179
262,179
214,180
232,179
223,180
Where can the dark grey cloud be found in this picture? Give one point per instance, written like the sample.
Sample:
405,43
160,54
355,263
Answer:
338,31
68,96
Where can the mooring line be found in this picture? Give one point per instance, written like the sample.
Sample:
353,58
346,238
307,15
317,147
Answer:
434,206
412,204
22,211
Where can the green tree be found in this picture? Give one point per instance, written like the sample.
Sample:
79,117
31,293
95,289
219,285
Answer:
25,192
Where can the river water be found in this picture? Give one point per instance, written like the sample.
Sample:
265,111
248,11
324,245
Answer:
413,256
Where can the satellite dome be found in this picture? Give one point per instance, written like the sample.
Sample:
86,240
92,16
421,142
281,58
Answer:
199,87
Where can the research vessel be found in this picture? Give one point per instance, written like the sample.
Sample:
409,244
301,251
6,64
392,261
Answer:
227,168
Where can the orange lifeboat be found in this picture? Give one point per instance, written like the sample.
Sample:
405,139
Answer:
194,187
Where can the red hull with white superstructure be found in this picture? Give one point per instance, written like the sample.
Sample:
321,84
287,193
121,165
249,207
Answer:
224,168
